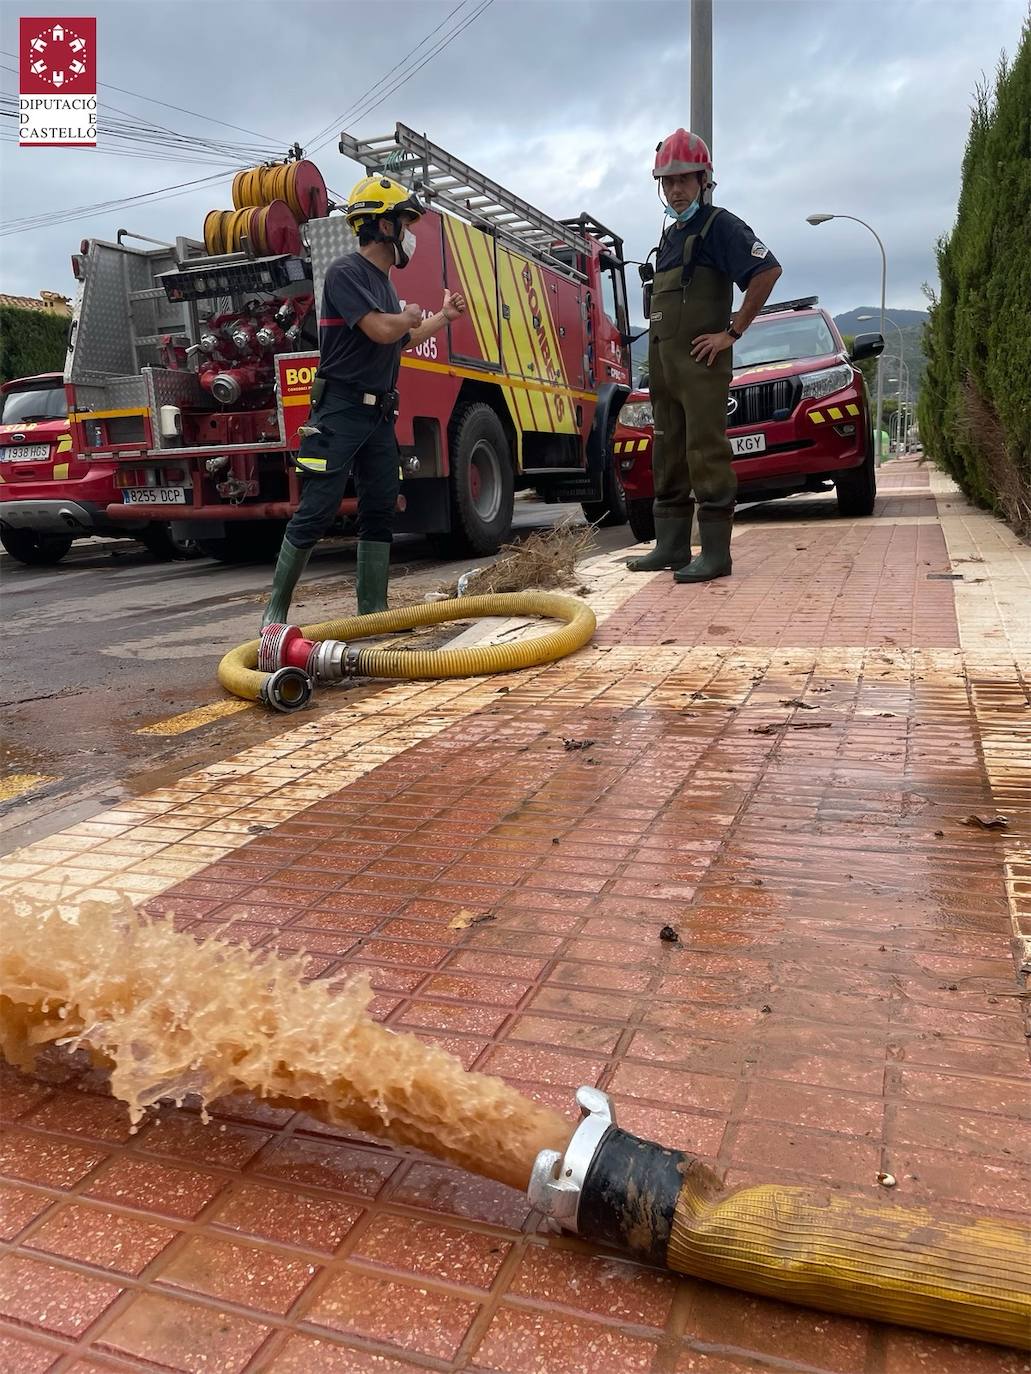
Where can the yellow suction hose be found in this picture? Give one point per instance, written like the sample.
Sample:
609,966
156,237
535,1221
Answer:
238,672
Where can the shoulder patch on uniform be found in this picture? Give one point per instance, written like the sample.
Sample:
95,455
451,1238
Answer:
759,250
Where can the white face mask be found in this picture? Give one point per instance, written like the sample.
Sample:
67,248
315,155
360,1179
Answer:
408,243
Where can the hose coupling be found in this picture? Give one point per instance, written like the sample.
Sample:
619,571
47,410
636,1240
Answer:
326,660
287,689
557,1180
611,1187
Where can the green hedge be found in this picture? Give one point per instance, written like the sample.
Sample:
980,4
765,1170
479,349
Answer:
31,341
975,405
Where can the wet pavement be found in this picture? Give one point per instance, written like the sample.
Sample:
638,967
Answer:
108,664
782,766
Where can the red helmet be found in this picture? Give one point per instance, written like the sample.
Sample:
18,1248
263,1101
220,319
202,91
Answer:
681,152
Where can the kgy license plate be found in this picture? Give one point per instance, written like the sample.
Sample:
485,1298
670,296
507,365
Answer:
748,443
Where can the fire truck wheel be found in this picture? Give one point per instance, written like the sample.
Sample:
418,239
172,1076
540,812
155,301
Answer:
36,550
642,520
247,541
162,543
482,486
857,487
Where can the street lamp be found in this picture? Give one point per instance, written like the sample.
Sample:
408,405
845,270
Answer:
903,380
902,350
822,219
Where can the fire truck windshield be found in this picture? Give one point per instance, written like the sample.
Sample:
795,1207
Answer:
782,340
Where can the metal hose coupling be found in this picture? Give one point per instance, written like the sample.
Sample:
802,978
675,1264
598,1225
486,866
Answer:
609,1186
862,1255
324,661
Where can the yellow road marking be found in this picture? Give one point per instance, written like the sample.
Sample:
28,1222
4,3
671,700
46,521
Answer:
193,720
16,783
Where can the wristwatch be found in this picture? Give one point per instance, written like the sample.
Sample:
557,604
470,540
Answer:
733,332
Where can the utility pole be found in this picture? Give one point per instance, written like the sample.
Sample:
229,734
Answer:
701,69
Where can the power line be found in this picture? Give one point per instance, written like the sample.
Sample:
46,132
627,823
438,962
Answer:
328,129
368,109
107,206
138,95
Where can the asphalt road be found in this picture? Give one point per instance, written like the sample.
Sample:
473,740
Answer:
109,643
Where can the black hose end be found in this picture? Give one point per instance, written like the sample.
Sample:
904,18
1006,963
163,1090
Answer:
629,1194
287,689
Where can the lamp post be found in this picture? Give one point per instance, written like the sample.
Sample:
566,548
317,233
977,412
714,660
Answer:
902,350
822,219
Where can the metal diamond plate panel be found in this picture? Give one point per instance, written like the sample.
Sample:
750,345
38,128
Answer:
330,238
169,388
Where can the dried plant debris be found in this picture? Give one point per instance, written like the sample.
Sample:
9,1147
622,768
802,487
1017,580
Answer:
545,560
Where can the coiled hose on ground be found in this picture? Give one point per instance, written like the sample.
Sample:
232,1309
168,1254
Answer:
238,672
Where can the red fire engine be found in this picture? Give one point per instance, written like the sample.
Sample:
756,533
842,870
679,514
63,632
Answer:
190,365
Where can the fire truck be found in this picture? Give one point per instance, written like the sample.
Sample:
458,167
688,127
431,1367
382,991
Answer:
189,364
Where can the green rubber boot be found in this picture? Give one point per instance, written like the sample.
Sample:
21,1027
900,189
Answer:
672,545
373,576
289,566
714,526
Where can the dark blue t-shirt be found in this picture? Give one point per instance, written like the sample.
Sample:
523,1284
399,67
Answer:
352,288
730,247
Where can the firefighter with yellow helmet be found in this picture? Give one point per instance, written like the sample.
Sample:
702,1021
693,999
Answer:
362,333
701,255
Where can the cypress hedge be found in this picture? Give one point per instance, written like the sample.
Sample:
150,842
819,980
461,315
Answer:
31,341
975,404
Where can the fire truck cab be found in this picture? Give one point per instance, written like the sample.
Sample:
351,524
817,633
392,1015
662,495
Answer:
191,370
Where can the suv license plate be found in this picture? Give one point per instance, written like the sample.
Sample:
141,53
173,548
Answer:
743,444
154,496
25,453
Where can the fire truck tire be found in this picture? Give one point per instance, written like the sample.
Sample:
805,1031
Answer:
162,543
642,520
248,541
35,550
857,487
481,486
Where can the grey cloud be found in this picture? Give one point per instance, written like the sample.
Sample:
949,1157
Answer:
858,108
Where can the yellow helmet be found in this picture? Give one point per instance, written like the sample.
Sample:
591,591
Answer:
380,198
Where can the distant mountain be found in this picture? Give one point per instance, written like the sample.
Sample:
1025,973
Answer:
910,322
850,323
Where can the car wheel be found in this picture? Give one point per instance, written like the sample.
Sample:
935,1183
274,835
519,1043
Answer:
642,520
35,550
857,487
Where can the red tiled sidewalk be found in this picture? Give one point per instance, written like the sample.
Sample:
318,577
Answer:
842,1002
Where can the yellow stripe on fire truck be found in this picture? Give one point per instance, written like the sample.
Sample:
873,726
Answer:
472,255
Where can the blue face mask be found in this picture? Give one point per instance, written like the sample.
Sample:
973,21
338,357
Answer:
684,215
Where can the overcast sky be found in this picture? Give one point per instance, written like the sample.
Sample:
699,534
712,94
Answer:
858,107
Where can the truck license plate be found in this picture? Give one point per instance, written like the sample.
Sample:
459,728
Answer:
25,453
748,443
154,496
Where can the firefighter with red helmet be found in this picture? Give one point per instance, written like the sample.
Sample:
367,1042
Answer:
702,254
362,333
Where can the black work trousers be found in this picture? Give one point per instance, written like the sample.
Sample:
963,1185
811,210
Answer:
352,438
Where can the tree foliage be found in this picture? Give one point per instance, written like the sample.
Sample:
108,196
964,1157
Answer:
975,404
31,341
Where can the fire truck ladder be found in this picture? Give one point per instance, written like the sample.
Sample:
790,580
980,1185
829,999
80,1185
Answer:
412,159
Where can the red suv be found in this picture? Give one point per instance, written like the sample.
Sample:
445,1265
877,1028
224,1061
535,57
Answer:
798,416
48,495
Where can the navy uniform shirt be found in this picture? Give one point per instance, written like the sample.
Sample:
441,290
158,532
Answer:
352,288
730,247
